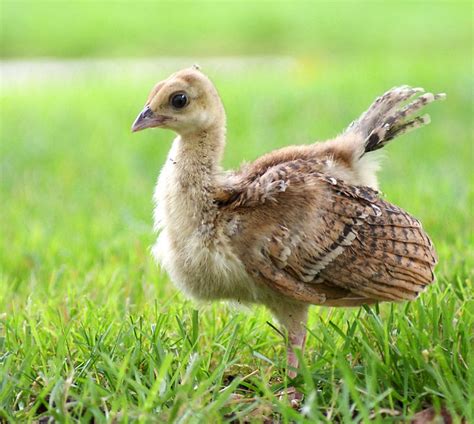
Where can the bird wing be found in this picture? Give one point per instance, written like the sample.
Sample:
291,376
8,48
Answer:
317,239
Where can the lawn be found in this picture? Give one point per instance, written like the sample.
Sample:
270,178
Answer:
91,330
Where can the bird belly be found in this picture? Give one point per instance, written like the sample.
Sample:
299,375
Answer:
203,271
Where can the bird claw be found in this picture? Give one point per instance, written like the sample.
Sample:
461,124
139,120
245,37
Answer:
292,395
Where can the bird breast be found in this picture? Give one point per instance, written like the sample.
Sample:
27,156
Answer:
192,246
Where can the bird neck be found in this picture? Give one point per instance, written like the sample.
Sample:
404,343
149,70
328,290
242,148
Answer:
190,181
200,152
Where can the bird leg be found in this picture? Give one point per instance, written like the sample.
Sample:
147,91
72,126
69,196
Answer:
294,320
296,340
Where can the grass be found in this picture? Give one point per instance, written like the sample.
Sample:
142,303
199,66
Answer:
91,330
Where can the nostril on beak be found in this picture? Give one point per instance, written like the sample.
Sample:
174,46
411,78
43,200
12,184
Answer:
140,123
147,112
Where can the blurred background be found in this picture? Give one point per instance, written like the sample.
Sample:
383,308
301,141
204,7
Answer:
76,184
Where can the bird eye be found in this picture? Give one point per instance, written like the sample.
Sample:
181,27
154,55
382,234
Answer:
179,100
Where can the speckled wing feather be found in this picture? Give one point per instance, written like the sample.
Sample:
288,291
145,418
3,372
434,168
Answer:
315,239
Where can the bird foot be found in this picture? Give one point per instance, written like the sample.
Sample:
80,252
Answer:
294,396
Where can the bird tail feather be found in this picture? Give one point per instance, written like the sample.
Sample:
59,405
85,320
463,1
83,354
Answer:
389,116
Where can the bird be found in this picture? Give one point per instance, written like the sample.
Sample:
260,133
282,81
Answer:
302,225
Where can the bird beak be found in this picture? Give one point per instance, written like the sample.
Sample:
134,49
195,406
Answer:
147,119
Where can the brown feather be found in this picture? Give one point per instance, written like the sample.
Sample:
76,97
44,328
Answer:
345,236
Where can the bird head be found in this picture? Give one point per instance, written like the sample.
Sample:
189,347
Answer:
186,102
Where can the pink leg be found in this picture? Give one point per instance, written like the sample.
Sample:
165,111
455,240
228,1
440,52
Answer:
293,318
296,340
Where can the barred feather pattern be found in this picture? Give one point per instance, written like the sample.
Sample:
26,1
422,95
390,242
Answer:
387,118
348,247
